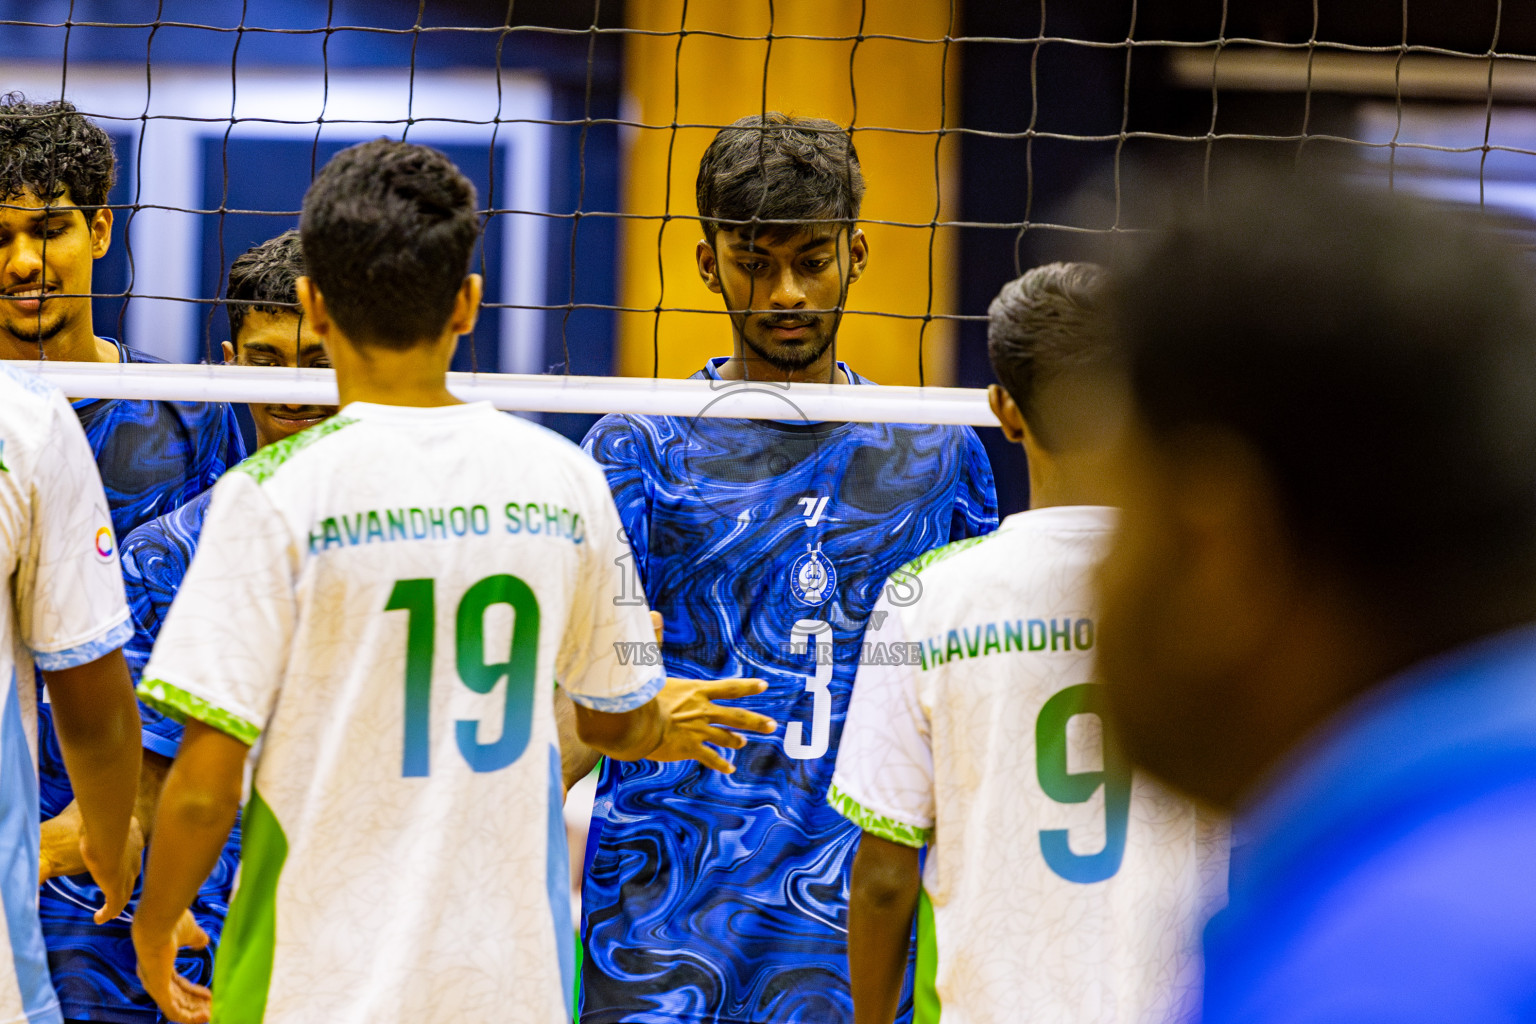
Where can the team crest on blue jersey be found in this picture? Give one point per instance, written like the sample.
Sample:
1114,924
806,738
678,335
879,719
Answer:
812,577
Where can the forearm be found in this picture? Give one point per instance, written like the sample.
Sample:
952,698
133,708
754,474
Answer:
576,758
192,824
152,775
97,721
628,736
883,895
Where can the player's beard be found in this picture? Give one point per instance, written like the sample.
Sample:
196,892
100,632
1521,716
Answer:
784,358
38,328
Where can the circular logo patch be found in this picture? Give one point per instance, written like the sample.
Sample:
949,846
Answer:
104,541
812,577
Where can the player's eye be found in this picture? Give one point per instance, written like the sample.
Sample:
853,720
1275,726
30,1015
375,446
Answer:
753,268
816,266
54,231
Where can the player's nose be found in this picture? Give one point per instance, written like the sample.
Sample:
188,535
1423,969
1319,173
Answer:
786,292
22,260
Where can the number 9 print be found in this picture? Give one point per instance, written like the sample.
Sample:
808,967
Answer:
1066,787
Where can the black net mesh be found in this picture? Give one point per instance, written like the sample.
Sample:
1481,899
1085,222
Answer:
994,136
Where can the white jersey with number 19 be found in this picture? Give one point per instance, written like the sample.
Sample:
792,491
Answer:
385,602
1059,887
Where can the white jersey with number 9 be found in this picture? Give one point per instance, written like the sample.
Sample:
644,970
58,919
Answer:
1059,886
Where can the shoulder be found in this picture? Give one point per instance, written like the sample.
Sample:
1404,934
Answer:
613,425
925,562
34,415
134,355
624,434
272,459
18,382
1037,539
27,399
955,445
174,533
190,412
577,459
1465,936
624,442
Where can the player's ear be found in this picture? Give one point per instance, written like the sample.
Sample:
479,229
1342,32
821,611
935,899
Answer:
313,305
101,232
858,255
1007,412
466,305
229,352
709,266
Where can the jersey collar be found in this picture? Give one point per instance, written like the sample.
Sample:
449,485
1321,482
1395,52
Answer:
711,371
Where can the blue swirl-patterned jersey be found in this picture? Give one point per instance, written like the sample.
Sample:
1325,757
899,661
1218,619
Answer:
153,457
157,456
723,898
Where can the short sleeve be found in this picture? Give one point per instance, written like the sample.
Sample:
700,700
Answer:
975,512
884,777
608,639
222,649
69,594
612,444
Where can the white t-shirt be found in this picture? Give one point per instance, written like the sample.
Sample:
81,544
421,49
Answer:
386,601
1057,886
62,606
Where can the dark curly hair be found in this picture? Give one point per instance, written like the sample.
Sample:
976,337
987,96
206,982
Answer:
388,230
48,148
780,171
264,279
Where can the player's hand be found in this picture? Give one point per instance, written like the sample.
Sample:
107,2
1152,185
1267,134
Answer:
114,875
59,850
179,999
690,720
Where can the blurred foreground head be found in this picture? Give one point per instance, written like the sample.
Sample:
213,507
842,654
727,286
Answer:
1330,473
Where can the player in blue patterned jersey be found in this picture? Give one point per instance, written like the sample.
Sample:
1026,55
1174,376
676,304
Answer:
764,545
265,331
56,169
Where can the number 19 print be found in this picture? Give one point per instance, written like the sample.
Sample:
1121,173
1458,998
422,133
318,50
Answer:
419,600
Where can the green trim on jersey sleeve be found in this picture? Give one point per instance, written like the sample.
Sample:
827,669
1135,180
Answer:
177,703
926,1008
936,555
260,466
242,969
869,821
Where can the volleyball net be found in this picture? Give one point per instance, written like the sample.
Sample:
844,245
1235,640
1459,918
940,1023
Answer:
993,137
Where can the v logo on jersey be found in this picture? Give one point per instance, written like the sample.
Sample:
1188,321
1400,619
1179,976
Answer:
814,507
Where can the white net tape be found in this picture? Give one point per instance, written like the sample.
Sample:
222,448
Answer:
809,403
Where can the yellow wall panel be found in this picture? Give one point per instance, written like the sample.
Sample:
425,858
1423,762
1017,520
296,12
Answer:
873,84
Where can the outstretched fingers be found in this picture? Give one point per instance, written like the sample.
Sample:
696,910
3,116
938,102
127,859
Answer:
736,718
739,718
729,689
707,757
